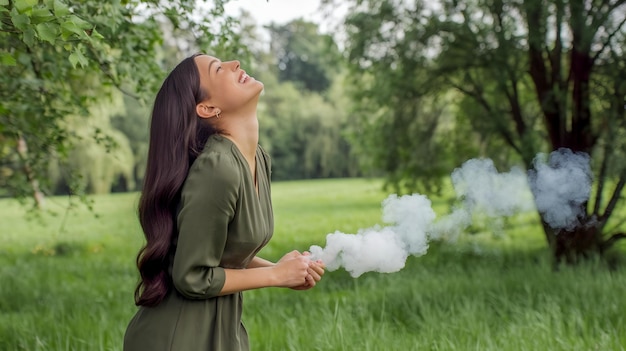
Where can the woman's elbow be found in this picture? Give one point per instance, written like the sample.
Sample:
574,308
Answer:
200,283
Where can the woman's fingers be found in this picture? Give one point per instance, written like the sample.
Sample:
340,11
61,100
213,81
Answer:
314,274
293,270
310,280
301,279
291,255
317,266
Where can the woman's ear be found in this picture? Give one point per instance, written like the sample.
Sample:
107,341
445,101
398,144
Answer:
207,111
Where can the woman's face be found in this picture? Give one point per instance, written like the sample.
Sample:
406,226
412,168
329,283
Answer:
228,86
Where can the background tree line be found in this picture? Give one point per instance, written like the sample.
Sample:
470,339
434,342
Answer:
416,88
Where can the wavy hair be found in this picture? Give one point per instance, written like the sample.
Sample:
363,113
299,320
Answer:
177,136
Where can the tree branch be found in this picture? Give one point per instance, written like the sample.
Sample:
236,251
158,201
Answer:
616,226
511,93
481,101
107,73
602,177
608,243
607,42
614,199
31,176
516,110
544,89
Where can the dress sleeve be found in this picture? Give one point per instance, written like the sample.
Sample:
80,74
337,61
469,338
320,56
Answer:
208,202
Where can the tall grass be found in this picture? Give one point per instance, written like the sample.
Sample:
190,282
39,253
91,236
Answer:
66,283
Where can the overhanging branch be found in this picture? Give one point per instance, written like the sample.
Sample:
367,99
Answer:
607,42
608,243
602,177
481,100
614,199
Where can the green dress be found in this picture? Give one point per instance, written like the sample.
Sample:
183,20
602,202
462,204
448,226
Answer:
222,223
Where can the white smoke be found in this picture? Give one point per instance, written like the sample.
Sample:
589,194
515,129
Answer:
560,187
482,188
381,249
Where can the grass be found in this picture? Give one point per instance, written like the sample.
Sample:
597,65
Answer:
67,283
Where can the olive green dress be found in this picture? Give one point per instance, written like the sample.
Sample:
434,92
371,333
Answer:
222,223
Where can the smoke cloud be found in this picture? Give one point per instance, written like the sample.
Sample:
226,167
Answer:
560,183
381,249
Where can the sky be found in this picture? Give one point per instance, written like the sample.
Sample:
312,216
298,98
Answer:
283,11
278,11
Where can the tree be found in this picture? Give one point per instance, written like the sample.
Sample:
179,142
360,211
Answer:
95,166
302,131
541,75
304,56
59,59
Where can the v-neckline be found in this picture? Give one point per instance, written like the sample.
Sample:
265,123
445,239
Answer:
254,175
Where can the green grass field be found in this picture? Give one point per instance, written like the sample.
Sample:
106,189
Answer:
67,283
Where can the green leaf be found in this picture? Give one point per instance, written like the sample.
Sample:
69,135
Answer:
40,15
4,2
77,58
96,35
23,58
29,37
74,25
20,20
68,28
61,9
79,22
48,32
6,59
23,5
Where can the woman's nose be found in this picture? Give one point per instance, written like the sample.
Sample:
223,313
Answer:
234,64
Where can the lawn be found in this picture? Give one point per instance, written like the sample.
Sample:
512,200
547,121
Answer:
67,282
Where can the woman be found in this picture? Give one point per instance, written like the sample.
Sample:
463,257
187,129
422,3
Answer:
206,211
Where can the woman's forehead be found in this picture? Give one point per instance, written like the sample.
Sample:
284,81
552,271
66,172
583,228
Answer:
205,59
205,64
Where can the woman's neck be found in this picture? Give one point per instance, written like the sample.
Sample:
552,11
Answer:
243,130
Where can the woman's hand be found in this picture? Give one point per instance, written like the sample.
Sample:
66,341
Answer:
291,270
297,271
315,273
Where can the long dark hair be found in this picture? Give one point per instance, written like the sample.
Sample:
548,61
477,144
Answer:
177,136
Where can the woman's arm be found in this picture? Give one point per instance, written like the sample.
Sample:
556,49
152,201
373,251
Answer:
294,270
258,262
291,271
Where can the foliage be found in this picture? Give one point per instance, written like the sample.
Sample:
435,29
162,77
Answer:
303,130
59,59
303,55
134,122
67,284
80,138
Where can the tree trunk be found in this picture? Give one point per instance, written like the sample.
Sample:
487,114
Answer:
570,246
38,195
